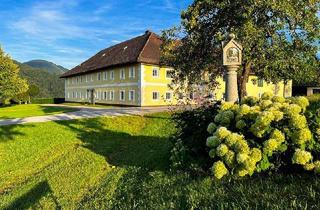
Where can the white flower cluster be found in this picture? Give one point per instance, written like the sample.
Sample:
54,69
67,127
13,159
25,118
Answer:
272,124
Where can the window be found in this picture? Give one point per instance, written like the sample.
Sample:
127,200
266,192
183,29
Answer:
122,74
97,95
155,72
155,95
86,78
105,75
105,96
132,72
112,75
99,76
111,96
260,83
81,79
168,95
131,95
77,80
122,95
91,77
169,74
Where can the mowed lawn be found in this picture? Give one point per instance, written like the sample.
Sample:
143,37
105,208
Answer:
28,110
123,163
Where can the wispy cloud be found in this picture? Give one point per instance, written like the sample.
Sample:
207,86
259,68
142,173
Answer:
69,31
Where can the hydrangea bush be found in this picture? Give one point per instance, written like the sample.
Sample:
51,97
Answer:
261,134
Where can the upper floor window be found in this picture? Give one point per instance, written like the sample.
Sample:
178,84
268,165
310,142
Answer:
91,77
112,75
132,72
122,74
155,72
86,78
155,95
169,74
260,82
77,80
99,76
131,95
105,75
122,95
105,96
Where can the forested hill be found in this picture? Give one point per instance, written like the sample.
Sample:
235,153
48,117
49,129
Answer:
48,81
46,65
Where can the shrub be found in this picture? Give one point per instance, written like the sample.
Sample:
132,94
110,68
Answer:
190,139
47,100
262,135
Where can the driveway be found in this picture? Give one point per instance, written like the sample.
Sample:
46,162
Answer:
86,112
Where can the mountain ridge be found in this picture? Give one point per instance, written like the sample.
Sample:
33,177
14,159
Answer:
46,65
49,83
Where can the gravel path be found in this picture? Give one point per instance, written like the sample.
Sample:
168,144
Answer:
85,112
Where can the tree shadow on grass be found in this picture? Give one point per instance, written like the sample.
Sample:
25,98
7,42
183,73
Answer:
9,132
120,148
53,109
33,196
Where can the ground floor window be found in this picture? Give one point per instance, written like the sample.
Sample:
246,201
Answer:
168,95
131,95
111,96
105,96
122,95
155,95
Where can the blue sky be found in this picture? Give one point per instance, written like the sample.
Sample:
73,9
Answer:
67,32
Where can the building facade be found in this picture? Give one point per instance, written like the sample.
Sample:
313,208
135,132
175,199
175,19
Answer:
130,74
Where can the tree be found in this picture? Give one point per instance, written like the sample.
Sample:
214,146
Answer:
11,84
33,91
280,40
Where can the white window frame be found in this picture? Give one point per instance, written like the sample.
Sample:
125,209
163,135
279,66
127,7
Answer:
169,99
99,76
105,75
122,74
158,95
112,75
155,70
105,95
86,78
131,93
111,95
132,72
91,77
124,95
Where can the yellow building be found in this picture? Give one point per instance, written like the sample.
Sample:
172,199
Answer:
130,74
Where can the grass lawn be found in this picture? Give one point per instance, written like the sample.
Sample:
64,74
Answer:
28,110
122,163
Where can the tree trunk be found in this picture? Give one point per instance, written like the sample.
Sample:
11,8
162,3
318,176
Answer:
246,69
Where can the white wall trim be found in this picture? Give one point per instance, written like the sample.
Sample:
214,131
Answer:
106,85
155,84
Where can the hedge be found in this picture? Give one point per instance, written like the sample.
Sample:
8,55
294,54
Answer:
47,100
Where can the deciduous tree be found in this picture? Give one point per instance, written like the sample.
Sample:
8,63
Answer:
11,84
280,39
